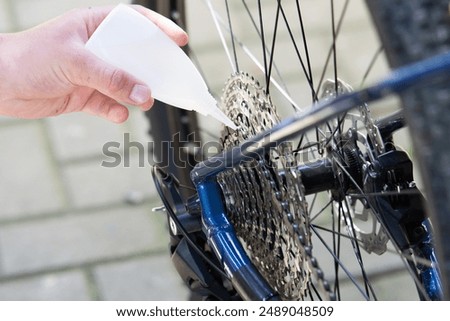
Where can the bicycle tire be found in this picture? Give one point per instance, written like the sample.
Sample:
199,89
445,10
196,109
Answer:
396,21
173,130
411,31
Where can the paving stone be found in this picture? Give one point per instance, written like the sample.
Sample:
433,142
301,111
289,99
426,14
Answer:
55,286
29,183
79,135
138,126
78,239
7,119
90,184
6,20
391,287
143,279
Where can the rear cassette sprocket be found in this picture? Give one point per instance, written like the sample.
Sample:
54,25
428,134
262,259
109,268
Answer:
264,197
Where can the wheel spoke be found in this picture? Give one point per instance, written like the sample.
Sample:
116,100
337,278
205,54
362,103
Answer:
230,26
297,51
305,46
371,64
221,36
341,264
333,46
272,51
260,65
272,64
263,43
330,51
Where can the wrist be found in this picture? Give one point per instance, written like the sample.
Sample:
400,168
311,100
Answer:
4,56
8,72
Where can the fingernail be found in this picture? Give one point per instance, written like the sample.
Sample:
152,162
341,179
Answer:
140,94
149,105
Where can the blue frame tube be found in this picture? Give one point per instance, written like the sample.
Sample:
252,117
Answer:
221,236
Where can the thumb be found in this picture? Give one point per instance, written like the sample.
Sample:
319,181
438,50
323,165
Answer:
111,81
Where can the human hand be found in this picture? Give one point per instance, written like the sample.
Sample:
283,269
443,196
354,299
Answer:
46,71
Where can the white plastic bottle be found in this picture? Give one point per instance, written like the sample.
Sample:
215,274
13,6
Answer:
130,41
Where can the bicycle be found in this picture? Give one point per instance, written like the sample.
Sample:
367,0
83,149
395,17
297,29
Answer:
247,227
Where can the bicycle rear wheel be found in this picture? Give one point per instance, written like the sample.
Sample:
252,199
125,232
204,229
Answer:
273,44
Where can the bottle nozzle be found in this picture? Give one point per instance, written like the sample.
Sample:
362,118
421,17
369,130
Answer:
220,116
208,106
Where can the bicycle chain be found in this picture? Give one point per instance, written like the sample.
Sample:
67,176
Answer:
265,199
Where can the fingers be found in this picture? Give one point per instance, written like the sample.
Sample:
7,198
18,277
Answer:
139,94
96,15
101,105
87,70
114,85
105,107
168,26
112,112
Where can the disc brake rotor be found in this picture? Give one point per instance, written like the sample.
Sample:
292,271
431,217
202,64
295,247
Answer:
358,217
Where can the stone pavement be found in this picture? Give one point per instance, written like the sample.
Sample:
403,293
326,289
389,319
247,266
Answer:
71,229
67,228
